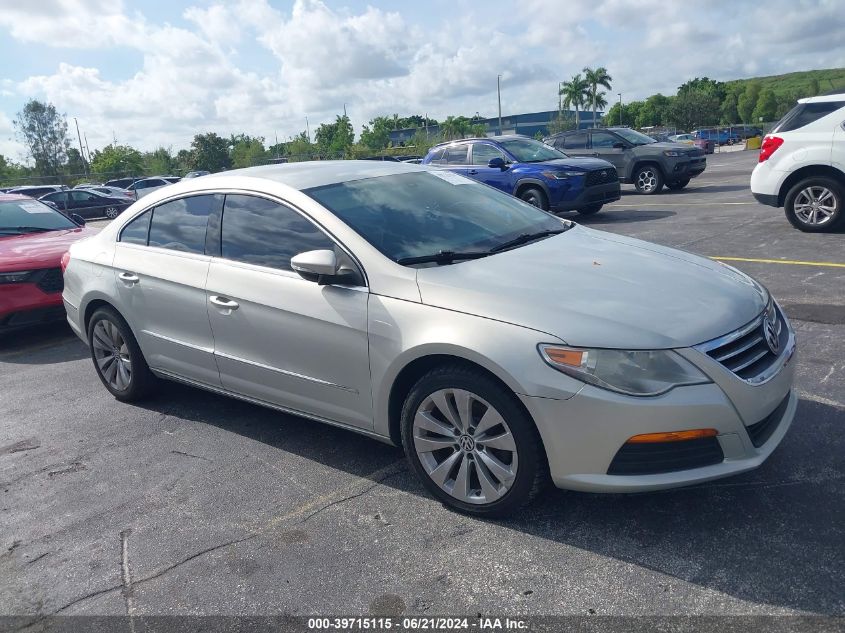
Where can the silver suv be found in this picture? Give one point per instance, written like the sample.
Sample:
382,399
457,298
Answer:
640,160
501,346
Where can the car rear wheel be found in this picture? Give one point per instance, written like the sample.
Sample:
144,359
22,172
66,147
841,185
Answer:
535,196
117,358
648,180
471,443
591,209
678,184
815,204
112,212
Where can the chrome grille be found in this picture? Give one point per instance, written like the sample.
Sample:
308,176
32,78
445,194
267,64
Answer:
747,352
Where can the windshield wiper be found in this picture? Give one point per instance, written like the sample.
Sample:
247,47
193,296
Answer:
12,230
442,257
524,239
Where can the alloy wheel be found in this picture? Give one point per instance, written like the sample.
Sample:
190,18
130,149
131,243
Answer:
111,354
646,180
815,205
465,446
112,213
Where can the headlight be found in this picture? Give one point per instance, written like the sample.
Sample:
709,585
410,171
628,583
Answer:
634,373
674,153
562,175
16,277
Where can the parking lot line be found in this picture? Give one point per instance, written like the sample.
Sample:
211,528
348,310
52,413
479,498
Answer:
779,261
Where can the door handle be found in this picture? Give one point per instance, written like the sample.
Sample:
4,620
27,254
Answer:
129,278
472,172
224,302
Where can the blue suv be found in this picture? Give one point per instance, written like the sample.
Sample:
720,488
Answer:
531,171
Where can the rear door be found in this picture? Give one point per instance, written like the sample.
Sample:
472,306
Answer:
60,199
277,337
480,155
160,269
602,144
456,158
87,204
576,144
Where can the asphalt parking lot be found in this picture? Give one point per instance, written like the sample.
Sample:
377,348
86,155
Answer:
198,504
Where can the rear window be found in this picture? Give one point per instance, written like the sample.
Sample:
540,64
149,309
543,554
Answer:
180,225
805,113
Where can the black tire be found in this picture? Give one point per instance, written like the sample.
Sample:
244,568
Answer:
532,473
648,179
535,196
797,194
591,209
678,184
141,380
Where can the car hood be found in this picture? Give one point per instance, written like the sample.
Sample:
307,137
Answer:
39,250
596,289
571,162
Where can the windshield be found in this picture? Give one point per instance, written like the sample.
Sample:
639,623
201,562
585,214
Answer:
634,137
423,213
30,216
527,150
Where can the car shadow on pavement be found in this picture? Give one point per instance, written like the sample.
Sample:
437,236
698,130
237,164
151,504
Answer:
41,345
696,188
772,536
611,216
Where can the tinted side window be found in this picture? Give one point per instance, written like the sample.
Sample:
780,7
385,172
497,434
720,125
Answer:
575,141
456,155
180,225
805,113
482,153
437,156
264,233
603,140
137,230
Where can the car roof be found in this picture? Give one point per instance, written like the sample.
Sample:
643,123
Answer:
310,174
494,139
12,197
831,96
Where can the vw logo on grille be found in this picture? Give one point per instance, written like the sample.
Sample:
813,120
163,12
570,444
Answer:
771,335
604,174
466,443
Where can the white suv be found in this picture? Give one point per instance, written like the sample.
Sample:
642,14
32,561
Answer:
802,164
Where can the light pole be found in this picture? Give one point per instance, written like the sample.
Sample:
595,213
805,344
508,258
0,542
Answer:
620,109
499,92
307,129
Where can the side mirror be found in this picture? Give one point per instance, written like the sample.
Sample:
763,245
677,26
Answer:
619,145
322,267
78,219
498,163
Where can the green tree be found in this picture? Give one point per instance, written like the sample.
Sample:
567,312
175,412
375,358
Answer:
184,161
117,160
766,107
44,132
12,173
575,94
813,88
247,151
210,152
703,85
728,110
692,109
561,124
747,101
159,161
76,165
300,147
454,127
335,138
594,79
478,130
376,134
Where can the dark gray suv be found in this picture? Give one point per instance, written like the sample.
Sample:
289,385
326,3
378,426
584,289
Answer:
639,159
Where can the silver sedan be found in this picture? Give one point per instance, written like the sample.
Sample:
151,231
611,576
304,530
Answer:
501,346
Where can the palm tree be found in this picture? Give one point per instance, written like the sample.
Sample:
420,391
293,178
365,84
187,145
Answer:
599,103
594,79
574,94
454,127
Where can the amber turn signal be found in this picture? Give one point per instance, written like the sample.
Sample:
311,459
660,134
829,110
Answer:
563,356
673,436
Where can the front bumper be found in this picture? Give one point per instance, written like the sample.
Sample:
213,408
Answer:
686,169
583,435
588,196
25,304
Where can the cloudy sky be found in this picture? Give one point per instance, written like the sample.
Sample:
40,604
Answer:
155,72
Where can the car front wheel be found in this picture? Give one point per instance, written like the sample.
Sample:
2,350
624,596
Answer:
648,180
815,204
535,196
471,443
117,358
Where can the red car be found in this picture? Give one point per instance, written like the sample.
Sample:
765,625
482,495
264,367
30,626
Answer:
33,238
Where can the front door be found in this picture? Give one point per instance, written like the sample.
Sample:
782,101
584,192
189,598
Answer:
482,154
277,337
160,269
602,145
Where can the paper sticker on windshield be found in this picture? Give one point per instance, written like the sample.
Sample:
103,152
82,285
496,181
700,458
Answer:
449,176
34,207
